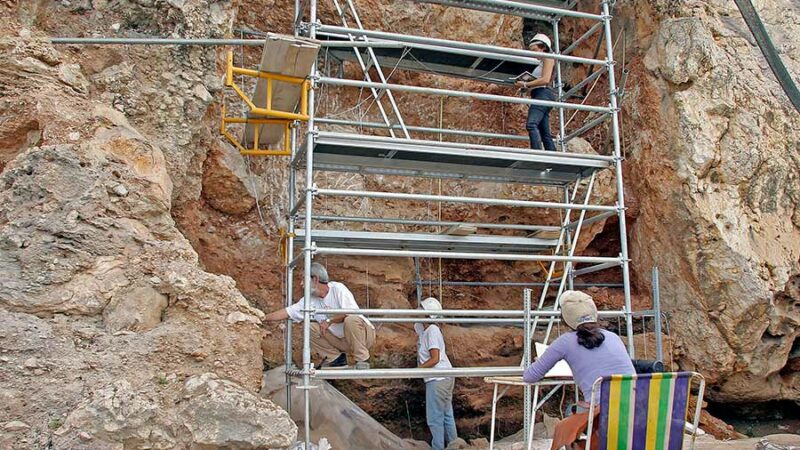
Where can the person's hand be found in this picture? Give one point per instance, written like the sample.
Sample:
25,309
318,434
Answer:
323,327
520,84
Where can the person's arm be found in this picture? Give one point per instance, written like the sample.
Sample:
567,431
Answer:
547,75
433,342
544,363
324,324
290,312
432,361
280,314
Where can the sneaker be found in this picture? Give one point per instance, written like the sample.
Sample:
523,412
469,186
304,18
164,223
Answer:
362,365
340,361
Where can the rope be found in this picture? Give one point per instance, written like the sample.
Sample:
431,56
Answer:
644,335
366,268
621,95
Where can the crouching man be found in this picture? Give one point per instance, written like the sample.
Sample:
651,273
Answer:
332,336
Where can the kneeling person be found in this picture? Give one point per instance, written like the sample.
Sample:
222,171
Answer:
332,337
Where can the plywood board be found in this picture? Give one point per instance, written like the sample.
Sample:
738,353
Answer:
285,55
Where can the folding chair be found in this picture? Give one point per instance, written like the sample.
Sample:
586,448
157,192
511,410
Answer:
643,412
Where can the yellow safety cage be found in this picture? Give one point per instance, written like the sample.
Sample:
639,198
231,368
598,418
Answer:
265,115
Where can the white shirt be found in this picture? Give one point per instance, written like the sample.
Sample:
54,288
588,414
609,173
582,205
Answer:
430,338
537,72
339,297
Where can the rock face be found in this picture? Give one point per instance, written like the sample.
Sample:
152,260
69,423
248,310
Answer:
111,333
715,172
221,414
207,412
711,181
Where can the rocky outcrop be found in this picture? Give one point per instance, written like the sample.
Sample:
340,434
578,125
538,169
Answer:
99,285
227,185
715,172
111,333
206,412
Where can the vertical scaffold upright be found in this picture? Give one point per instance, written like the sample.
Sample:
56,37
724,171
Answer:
572,175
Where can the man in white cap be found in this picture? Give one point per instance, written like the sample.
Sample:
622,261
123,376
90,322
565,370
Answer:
431,353
332,336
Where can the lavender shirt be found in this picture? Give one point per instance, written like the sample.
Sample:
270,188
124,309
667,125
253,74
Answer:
611,358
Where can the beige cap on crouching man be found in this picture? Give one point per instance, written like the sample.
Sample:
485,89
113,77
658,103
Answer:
577,308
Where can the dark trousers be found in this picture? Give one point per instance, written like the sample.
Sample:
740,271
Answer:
538,124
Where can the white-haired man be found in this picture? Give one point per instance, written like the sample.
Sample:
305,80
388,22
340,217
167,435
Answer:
332,336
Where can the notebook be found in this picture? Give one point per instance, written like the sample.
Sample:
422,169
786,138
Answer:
524,76
560,370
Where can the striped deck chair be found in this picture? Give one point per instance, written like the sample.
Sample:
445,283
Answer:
643,412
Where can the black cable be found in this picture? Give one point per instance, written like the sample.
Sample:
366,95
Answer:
769,51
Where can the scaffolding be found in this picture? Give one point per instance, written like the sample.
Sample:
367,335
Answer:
406,152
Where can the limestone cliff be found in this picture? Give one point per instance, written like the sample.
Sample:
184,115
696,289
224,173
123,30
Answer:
714,166
111,333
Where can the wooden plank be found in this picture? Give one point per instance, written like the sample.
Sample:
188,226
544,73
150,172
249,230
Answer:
285,55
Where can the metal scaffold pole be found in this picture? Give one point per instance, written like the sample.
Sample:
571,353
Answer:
526,359
657,313
307,248
559,86
623,232
290,273
288,360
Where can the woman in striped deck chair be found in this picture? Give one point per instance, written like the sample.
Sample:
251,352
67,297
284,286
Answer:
590,350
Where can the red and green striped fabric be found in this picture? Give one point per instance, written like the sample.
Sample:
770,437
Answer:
643,412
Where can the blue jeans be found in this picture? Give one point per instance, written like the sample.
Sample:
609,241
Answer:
439,410
538,124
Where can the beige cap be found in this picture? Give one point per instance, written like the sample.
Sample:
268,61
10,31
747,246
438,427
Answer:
577,308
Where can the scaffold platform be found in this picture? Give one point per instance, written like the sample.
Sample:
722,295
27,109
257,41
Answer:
439,61
342,152
533,9
475,243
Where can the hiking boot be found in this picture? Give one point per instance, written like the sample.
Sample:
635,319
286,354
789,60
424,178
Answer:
362,365
340,361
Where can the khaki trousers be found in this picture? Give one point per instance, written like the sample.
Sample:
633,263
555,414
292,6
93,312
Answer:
358,339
